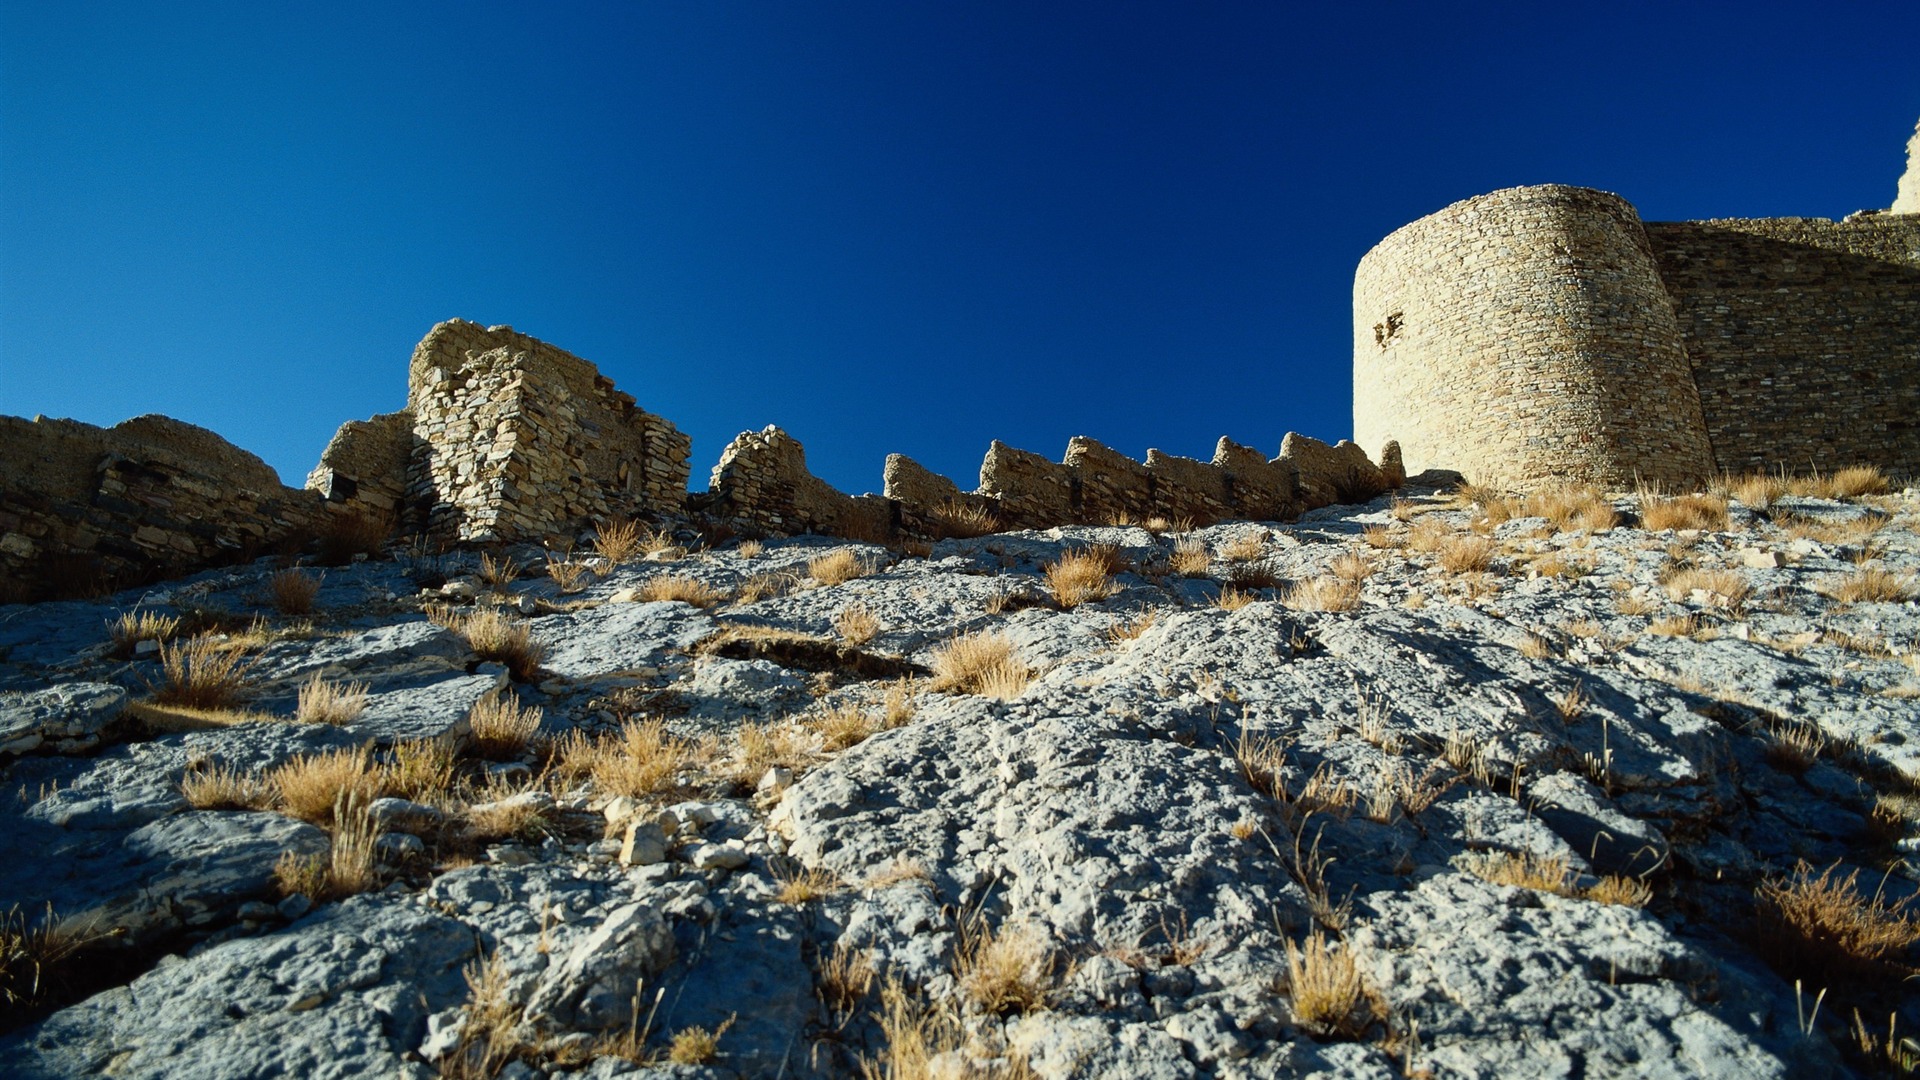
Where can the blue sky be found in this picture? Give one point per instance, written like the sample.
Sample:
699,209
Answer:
885,226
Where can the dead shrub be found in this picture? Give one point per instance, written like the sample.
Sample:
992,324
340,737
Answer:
346,537
134,627
980,663
680,588
1699,511
1573,507
1078,578
1526,870
1870,585
36,960
641,761
501,729
1724,588
1624,891
1244,548
202,674
837,567
421,769
325,702
843,726
291,592
498,573
567,576
1821,927
1232,599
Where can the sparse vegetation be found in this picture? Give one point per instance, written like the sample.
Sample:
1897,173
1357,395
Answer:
984,663
134,627
856,624
310,787
964,520
641,761
1329,996
617,541
837,567
1870,585
567,576
291,592
1128,629
223,787
697,1045
681,588
323,701
35,958
1190,557
1078,578
1624,891
1821,927
1322,594
495,636
201,673
1723,588
749,549
1232,599
501,729
1011,969
1465,554
497,573
1244,548
1702,510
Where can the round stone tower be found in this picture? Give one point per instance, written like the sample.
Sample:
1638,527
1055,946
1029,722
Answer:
1523,336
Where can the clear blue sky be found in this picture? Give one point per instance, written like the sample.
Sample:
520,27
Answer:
885,226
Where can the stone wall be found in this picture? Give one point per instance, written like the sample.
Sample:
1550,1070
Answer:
1906,199
504,438
84,507
1524,335
762,482
1803,335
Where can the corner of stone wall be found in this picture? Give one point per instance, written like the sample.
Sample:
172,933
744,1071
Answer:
363,470
1341,473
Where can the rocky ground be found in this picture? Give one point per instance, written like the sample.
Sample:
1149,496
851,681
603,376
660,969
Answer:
1425,787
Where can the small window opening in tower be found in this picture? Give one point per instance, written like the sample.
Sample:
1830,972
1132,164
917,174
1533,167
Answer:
1383,332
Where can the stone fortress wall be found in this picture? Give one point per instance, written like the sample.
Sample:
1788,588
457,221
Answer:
508,439
1546,331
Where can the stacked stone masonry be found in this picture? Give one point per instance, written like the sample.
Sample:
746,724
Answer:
1546,332
84,507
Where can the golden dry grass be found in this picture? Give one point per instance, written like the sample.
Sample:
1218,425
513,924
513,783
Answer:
1329,996
201,673
1351,566
349,865
1573,507
1702,510
1232,599
224,787
1079,577
1723,588
1322,594
1128,629
1675,626
766,586
310,787
759,747
1870,585
1794,747
984,662
1757,491
1526,870
1382,538
697,1045
291,592
617,541
1429,533
804,886
36,959
1244,548
641,761
567,576
856,624
749,549
1465,554
1571,703
680,588
134,627
1822,927
844,725
964,520
1190,557
837,567
498,573
495,636
421,769
1011,969
323,701
1848,483
1535,647
900,870
501,729
1624,891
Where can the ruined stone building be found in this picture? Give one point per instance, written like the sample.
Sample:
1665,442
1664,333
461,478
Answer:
1548,332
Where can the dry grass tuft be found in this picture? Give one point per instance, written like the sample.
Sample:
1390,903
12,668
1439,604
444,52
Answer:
222,787
1351,566
1675,626
1870,585
1624,891
1429,534
567,576
844,725
680,588
1724,588
1535,647
759,747
642,760
1232,599
1571,703
1698,511
856,624
1009,970
349,867
763,587
1382,538
291,592
1329,995
494,636
310,787
1465,554
498,573
749,549
1323,594
1849,483
838,566
1823,928
1794,747
501,729
980,663
1756,491
617,541
900,870
964,520
325,702
1525,870
202,674
35,960
1190,557
697,1045
1132,628
1244,548
421,769
1573,507
798,887
1079,577
134,627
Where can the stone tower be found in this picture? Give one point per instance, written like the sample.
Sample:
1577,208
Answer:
1526,335
1907,200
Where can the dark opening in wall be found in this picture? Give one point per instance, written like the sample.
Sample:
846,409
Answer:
1383,332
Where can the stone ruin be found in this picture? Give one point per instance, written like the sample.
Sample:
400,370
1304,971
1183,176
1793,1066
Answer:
505,438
